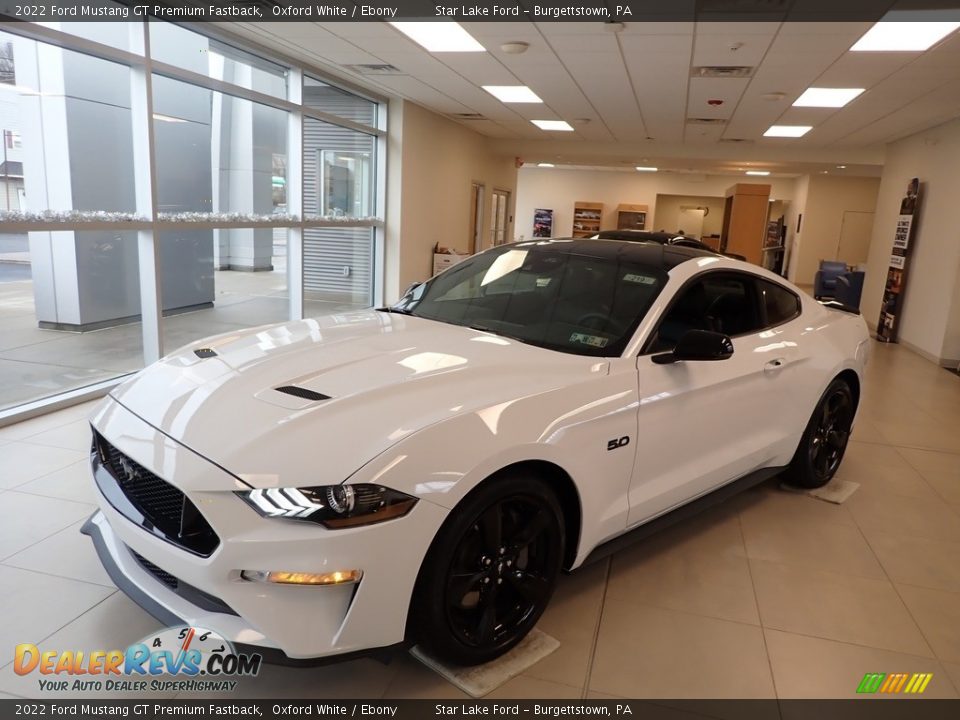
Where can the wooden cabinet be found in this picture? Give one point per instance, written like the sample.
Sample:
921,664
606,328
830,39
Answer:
586,218
745,221
631,216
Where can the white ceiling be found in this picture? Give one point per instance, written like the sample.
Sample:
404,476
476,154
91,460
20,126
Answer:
634,89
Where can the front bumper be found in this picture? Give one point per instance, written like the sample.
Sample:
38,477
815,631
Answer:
282,622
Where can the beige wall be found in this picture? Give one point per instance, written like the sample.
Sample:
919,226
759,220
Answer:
432,164
667,216
827,198
930,317
558,189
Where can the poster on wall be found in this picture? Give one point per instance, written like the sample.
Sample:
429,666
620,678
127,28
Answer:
542,223
896,272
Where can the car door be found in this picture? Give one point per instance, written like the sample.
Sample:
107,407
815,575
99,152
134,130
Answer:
705,423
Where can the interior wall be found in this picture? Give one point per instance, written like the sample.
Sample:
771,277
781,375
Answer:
668,207
828,197
794,218
558,189
930,315
432,165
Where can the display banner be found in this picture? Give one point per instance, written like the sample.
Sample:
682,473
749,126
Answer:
897,270
476,10
890,708
542,223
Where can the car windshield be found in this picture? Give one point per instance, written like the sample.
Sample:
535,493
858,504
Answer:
543,296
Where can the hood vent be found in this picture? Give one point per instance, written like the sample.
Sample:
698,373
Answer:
303,393
722,71
204,353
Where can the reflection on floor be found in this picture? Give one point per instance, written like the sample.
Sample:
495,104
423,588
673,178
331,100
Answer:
770,594
37,363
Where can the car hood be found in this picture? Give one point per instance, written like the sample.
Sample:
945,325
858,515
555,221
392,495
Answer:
382,377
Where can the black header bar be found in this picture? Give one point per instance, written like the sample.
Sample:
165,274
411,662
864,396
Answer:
626,11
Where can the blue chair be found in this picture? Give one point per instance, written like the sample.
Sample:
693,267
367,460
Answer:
849,289
825,281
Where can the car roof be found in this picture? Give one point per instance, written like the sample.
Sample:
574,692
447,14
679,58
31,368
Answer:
651,252
635,235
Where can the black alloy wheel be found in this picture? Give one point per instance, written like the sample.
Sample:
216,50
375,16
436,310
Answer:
491,571
825,439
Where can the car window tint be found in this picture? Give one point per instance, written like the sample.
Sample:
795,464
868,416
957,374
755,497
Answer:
779,303
573,303
721,303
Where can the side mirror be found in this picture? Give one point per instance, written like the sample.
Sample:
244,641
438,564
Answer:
698,345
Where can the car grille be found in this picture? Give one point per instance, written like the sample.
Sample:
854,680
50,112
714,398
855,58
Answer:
188,592
161,507
162,575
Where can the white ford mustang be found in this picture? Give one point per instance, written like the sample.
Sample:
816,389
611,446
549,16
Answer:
422,473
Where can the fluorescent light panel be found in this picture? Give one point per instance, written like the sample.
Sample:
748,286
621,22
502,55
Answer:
760,173
827,97
440,36
888,36
513,93
788,131
642,168
557,125
545,165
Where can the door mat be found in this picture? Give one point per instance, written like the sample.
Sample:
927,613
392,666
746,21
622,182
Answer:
835,491
479,680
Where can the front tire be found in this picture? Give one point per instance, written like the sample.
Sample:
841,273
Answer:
825,438
490,571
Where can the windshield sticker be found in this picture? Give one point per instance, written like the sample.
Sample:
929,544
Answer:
591,340
543,282
641,279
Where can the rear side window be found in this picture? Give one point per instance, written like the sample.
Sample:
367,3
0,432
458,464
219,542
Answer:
780,304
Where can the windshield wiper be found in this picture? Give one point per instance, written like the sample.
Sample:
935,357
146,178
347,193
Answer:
398,311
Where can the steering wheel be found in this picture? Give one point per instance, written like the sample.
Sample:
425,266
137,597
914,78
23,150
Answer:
597,320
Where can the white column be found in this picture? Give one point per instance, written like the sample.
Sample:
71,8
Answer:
295,194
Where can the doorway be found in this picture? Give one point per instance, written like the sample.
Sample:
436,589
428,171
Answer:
856,230
499,220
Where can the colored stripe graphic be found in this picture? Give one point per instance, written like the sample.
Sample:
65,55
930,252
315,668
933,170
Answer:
871,682
894,683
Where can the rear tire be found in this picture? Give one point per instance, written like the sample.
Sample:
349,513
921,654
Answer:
490,572
825,438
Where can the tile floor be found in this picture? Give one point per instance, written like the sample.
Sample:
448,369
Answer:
771,594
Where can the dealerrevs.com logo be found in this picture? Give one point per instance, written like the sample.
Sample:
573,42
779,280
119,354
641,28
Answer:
201,659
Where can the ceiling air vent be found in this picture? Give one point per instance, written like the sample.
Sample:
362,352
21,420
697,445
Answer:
722,71
706,121
467,116
736,140
302,393
374,69
205,353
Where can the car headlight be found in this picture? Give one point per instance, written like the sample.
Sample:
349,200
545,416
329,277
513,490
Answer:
333,506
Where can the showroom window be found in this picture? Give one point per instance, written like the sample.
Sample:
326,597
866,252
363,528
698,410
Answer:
159,185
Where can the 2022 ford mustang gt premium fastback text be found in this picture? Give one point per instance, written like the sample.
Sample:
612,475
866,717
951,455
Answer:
423,473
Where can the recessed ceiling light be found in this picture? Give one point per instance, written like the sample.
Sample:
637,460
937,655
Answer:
827,97
642,168
545,165
440,36
841,167
791,131
761,173
559,125
513,93
888,36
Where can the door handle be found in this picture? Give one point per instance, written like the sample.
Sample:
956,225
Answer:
774,365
